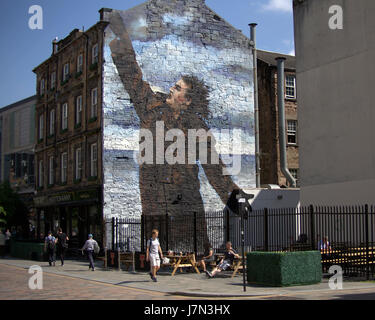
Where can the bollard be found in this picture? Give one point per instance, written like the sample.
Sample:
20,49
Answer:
105,258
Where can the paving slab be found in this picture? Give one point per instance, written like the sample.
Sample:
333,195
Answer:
183,284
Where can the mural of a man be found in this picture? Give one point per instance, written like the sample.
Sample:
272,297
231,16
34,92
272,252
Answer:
168,188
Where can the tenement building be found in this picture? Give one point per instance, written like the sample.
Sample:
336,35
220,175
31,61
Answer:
17,142
160,71
270,172
68,136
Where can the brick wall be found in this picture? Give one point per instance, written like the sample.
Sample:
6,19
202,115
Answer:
172,38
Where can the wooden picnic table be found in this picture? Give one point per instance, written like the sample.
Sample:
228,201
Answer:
182,261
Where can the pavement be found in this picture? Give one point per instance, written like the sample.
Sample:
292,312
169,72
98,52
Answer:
138,285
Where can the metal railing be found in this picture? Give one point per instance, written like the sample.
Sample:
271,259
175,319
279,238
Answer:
343,234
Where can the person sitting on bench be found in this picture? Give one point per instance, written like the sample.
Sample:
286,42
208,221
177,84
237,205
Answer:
207,258
226,261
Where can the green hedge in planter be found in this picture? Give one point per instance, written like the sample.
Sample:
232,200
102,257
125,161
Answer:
284,268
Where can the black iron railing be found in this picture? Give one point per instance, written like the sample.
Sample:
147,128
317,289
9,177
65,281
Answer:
343,234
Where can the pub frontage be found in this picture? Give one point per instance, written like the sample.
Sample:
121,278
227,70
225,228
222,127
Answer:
78,213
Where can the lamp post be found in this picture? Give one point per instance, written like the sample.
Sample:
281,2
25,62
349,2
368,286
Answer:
243,198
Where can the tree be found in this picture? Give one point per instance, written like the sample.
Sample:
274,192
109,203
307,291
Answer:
14,211
2,215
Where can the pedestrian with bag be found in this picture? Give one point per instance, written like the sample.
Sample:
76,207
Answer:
62,245
152,254
91,247
50,248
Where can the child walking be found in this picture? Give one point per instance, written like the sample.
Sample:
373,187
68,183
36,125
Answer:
152,254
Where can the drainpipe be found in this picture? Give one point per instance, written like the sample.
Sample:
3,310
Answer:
281,118
256,106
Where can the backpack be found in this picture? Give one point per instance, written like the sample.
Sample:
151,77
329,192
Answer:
96,248
51,244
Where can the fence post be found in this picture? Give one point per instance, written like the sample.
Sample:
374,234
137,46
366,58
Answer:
227,226
117,234
113,233
265,224
367,243
195,232
312,227
166,232
142,233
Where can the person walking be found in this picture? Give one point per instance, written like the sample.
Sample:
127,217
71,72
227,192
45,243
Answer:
62,245
91,247
50,247
2,243
152,254
7,241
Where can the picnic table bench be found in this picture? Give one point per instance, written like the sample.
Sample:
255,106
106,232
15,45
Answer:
182,261
235,266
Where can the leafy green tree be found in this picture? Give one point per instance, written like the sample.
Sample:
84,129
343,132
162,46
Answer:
14,211
2,216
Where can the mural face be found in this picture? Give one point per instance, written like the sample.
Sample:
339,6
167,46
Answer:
178,110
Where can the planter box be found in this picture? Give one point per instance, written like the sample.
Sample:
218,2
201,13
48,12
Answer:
27,250
281,269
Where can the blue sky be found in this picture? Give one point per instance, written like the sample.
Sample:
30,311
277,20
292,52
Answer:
23,49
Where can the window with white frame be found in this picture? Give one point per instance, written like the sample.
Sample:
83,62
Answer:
42,86
94,160
78,110
78,164
294,173
94,102
66,72
41,126
40,174
52,122
95,53
64,116
80,63
290,87
53,80
292,131
64,166
51,174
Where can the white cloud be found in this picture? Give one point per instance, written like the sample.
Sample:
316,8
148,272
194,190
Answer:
279,5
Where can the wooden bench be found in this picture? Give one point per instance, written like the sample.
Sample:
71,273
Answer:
234,267
181,261
126,258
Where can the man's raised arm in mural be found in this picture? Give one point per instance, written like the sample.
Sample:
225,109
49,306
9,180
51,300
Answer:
123,56
198,94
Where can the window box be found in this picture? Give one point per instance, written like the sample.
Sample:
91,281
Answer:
94,66
63,183
76,181
50,136
40,140
93,178
93,119
77,125
78,74
50,186
64,130
39,188
41,96
52,89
